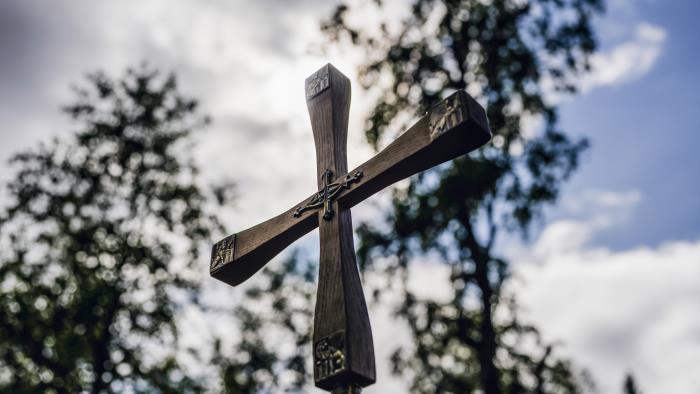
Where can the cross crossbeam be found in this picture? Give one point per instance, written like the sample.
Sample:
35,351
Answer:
342,340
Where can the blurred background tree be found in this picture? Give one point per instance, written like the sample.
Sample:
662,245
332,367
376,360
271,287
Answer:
630,385
274,352
514,57
101,248
100,241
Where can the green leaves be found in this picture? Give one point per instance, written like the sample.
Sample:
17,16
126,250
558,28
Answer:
91,238
273,354
512,56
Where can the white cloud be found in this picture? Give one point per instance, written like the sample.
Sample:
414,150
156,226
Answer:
588,212
623,63
627,61
247,66
605,199
616,311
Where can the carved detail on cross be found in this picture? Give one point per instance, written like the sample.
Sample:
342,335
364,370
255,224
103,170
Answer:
342,338
223,252
329,354
324,198
445,116
317,82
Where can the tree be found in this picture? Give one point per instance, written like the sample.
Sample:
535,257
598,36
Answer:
99,240
630,385
101,247
274,353
512,56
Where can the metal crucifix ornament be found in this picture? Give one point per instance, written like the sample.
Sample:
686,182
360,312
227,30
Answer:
343,354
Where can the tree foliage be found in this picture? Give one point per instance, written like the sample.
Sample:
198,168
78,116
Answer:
99,241
274,353
100,252
513,56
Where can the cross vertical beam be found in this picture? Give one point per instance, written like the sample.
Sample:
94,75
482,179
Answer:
343,355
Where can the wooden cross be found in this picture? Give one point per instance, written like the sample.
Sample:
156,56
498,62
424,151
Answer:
343,355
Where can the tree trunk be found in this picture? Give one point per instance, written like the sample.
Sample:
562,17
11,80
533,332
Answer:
487,344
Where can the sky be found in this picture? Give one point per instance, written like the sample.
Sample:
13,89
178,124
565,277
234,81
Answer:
611,273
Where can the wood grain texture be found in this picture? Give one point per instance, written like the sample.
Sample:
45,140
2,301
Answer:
342,338
343,353
414,151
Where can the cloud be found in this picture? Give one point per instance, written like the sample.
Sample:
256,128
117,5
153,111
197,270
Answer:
245,64
627,61
604,199
623,63
587,213
611,311
615,311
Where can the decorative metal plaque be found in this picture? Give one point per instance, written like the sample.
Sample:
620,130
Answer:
446,115
317,83
222,252
324,198
329,356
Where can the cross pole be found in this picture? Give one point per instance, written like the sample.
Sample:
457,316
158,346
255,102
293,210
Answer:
343,355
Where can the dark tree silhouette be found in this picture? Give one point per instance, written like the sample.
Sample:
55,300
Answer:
102,231
101,243
509,54
630,385
276,314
